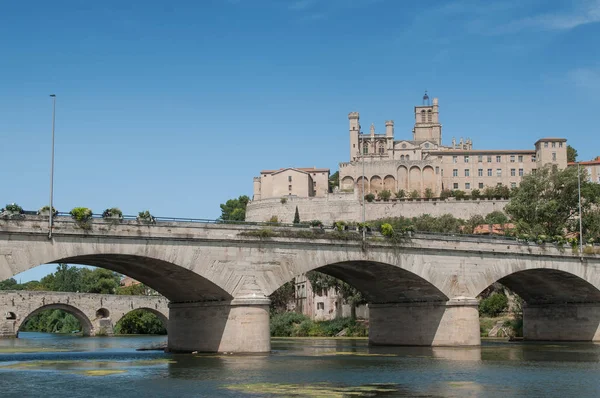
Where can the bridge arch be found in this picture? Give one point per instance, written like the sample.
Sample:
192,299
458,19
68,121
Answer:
156,267
85,322
164,319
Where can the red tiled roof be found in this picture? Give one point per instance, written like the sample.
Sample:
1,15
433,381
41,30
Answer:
587,162
304,169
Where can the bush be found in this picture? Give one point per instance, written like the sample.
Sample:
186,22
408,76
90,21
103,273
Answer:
316,223
415,194
145,216
476,194
400,194
387,230
283,201
429,193
445,194
494,305
273,220
339,225
369,197
489,192
284,324
113,212
47,209
14,208
385,195
458,194
81,214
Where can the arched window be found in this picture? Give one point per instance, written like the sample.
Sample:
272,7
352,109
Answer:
402,157
423,115
407,157
381,148
365,149
429,115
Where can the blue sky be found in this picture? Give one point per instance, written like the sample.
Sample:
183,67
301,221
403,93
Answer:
175,106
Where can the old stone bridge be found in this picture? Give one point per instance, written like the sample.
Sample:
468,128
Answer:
421,291
97,313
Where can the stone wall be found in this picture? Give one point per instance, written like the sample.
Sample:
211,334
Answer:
345,206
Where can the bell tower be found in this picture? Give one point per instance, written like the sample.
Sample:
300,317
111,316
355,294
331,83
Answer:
427,123
354,121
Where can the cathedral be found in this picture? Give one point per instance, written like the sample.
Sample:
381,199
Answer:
424,163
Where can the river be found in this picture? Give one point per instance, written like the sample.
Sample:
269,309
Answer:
39,364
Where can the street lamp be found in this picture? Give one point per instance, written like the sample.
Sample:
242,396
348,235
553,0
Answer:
53,96
580,218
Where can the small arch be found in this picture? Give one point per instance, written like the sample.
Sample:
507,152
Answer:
84,321
402,178
162,317
389,183
401,157
423,116
376,184
429,115
102,313
10,315
347,183
407,158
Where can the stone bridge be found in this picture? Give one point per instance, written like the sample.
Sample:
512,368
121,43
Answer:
97,313
217,277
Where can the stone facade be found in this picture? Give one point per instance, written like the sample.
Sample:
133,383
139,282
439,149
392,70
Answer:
347,207
424,163
302,182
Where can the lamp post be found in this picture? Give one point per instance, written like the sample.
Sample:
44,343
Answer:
580,218
364,228
53,96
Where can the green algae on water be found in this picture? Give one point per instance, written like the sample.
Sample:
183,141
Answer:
315,390
101,372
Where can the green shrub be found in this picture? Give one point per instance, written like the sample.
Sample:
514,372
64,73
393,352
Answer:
387,230
458,194
516,326
400,194
369,197
415,194
113,212
384,195
273,219
146,217
494,305
445,194
81,214
429,193
14,208
475,194
283,201
47,208
284,324
339,225
316,223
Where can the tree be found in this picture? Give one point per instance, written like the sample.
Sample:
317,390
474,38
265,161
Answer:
384,195
571,154
234,209
138,289
9,284
99,280
281,297
140,322
334,181
297,216
546,201
496,217
65,279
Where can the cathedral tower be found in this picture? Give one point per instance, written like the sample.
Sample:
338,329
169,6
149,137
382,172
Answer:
427,123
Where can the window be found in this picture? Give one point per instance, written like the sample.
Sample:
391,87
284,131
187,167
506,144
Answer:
455,173
489,172
498,172
480,158
467,159
423,116
498,159
426,145
429,115
321,305
513,172
442,172
467,172
489,159
402,157
533,171
554,145
481,185
365,149
437,170
533,158
290,178
554,156
289,187
512,158
521,173
381,149
513,184
480,172
454,159
314,184
520,158
407,157
560,144
467,185
545,145
403,146
456,185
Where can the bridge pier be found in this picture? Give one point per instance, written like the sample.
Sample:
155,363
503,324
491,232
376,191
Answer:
453,323
561,322
240,326
8,328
